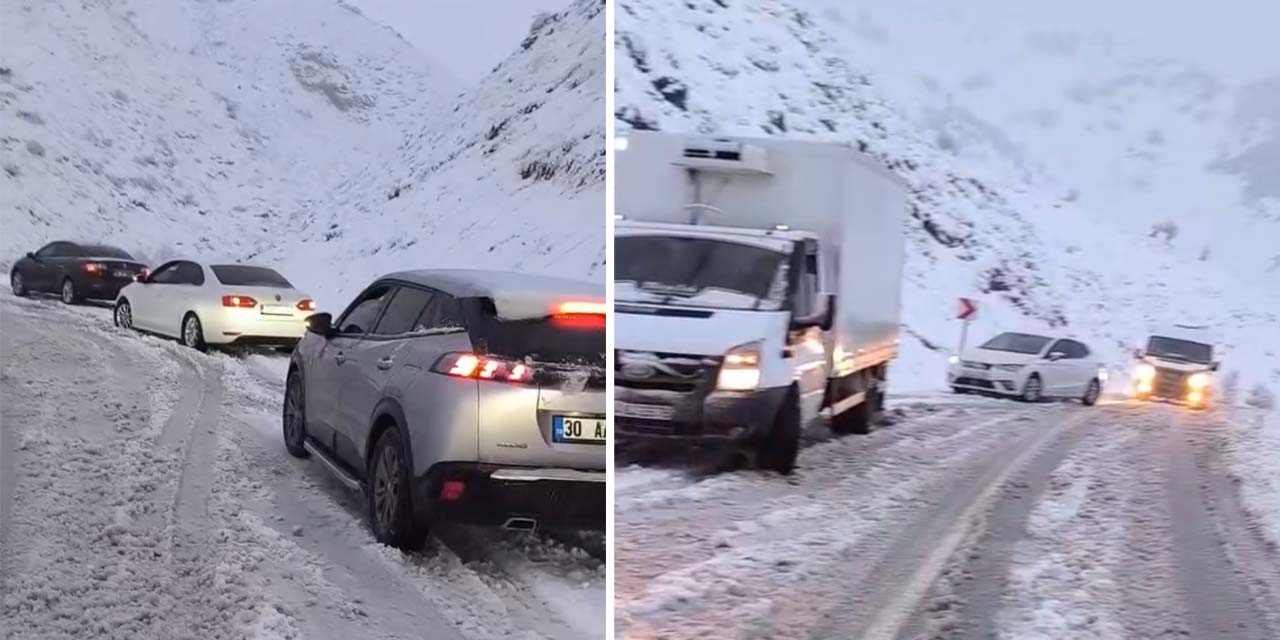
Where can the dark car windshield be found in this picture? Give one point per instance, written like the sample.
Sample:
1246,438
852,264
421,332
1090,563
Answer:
699,272
1016,343
1163,347
572,340
239,275
104,251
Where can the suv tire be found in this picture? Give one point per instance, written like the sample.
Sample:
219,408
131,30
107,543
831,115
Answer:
390,495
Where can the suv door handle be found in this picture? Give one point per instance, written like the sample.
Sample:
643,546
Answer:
385,363
340,357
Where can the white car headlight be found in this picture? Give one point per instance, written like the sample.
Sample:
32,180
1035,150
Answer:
953,360
1198,380
740,370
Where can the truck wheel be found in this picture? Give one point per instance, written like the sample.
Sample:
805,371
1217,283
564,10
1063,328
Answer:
390,495
778,449
856,420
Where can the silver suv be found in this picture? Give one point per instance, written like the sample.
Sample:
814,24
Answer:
474,396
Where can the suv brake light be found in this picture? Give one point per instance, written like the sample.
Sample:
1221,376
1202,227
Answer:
470,365
580,314
241,302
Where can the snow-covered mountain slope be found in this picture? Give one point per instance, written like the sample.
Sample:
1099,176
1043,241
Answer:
296,134
988,218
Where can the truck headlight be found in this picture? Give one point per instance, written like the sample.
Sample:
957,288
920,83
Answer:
1198,381
740,370
1144,373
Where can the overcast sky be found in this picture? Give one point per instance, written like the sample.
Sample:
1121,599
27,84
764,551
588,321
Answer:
467,37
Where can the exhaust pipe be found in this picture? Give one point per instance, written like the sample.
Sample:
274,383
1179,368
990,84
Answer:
520,524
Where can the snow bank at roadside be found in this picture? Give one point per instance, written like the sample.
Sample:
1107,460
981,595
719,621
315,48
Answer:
1253,453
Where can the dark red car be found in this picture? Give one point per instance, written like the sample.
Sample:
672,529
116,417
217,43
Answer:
75,271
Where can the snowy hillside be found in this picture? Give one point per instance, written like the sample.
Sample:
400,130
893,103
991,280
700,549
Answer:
297,134
1039,245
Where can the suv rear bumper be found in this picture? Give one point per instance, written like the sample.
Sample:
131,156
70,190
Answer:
494,494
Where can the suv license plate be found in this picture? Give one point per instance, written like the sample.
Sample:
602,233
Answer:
572,429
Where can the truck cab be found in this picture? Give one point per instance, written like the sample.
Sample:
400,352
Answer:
737,320
1176,365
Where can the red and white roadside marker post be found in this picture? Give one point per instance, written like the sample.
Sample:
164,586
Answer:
966,311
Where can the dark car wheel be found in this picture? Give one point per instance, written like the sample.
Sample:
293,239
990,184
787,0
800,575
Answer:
777,451
295,422
123,316
69,293
192,332
1033,390
19,285
390,495
1091,394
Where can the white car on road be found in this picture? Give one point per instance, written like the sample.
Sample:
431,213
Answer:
1029,367
215,304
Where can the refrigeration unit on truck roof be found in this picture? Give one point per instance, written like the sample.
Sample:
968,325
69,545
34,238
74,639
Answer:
756,183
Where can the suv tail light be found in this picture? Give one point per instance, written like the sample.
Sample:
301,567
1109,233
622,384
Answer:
241,302
306,304
470,365
580,314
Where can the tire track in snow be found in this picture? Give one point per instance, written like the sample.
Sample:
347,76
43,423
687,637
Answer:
1215,591
754,555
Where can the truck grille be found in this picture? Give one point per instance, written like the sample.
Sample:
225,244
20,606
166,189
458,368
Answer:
1169,383
644,370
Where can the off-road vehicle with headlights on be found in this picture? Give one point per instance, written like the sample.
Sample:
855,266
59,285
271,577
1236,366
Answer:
1177,366
453,395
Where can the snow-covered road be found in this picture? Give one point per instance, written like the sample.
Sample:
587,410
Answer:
967,518
145,493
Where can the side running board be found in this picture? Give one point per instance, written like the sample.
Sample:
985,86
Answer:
336,469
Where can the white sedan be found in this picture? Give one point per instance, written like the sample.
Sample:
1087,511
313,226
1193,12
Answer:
215,304
1030,367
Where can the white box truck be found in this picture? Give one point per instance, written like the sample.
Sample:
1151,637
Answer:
757,285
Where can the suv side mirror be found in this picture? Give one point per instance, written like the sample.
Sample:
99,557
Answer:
1139,353
1214,366
320,324
1056,356
140,277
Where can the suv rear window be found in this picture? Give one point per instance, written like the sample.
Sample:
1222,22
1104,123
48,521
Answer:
239,275
544,340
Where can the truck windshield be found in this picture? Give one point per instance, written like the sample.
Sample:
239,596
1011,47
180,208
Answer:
1016,342
699,272
1174,349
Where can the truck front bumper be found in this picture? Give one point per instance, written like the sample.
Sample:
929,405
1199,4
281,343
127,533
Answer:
718,417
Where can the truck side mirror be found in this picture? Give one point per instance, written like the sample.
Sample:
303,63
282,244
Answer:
823,317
